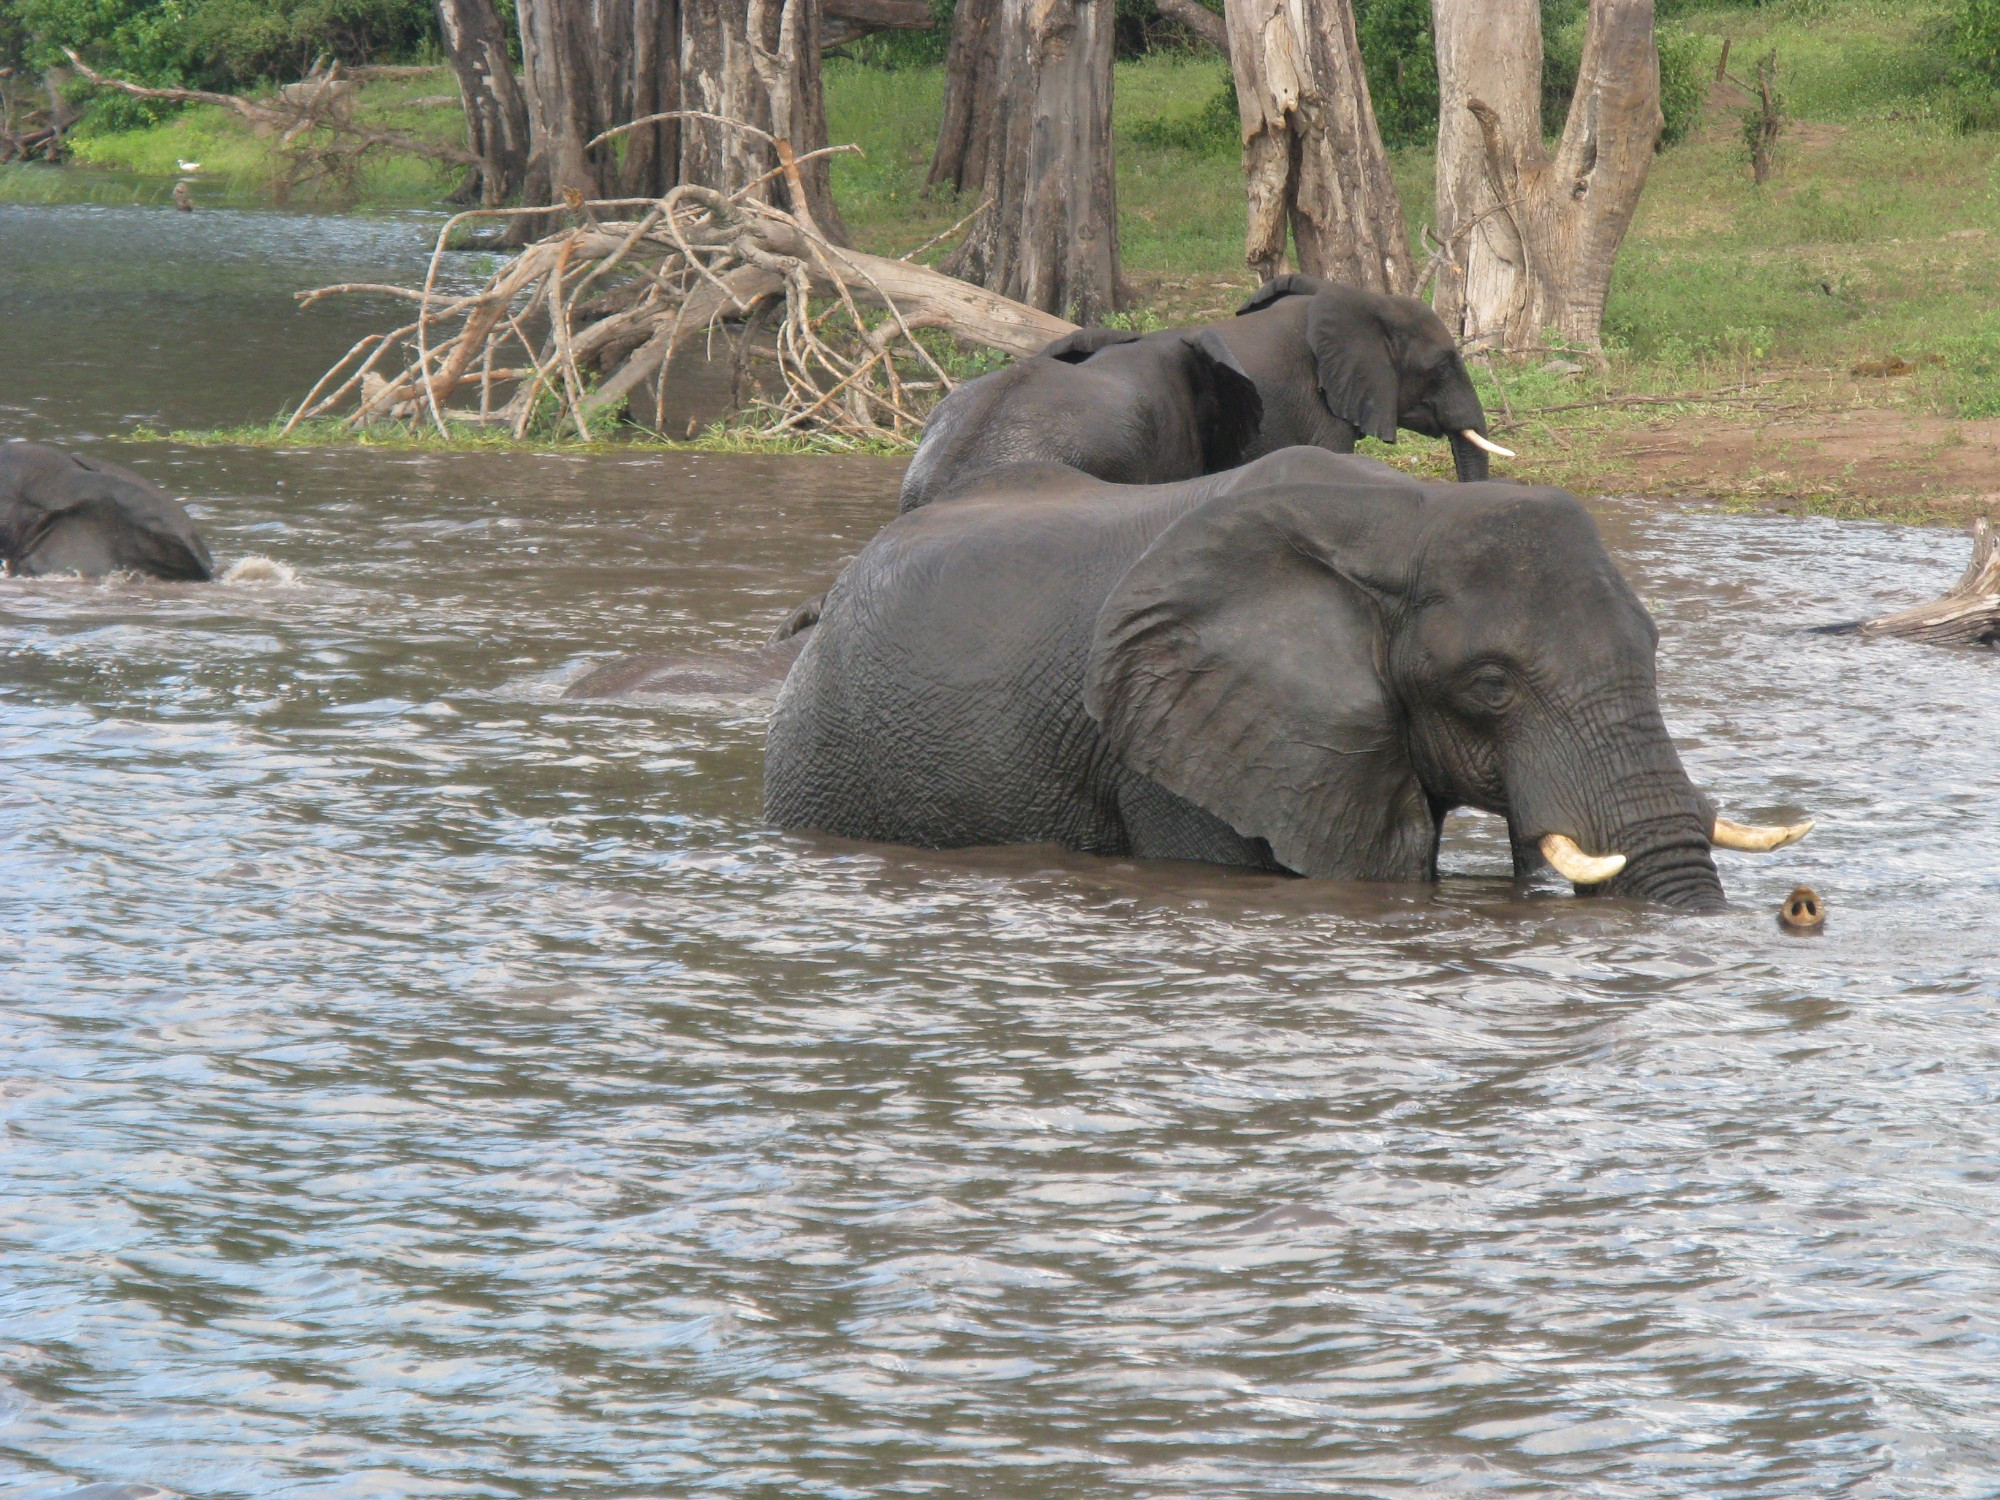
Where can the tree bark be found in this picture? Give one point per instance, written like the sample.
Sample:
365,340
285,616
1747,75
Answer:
1531,239
844,20
1312,155
496,112
757,61
971,69
1050,238
589,65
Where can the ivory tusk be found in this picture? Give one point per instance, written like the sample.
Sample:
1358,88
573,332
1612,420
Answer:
1577,867
1478,440
1757,838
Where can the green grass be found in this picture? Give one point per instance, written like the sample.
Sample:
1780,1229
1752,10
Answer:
242,163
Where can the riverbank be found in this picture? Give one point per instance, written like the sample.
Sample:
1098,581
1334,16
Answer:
1826,342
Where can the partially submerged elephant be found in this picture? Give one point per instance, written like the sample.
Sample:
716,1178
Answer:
1113,404
1299,665
1334,363
63,514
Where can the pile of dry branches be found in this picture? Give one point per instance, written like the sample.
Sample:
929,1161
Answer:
584,322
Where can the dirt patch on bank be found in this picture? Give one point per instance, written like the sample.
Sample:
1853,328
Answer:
1866,462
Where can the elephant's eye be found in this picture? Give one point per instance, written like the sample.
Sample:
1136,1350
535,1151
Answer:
1489,688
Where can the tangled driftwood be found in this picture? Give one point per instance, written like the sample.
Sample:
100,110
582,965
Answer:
1968,615
585,321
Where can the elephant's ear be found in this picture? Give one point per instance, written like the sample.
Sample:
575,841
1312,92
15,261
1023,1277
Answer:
1237,663
1355,361
1278,288
1228,408
1075,348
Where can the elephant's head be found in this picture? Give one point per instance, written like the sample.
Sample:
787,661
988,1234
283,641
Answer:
1332,663
1387,362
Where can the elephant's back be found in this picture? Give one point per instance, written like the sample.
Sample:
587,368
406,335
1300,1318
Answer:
940,699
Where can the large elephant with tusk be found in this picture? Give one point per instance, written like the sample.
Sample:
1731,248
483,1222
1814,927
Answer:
1299,665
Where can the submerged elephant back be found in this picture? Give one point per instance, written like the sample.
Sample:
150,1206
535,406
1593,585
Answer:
942,688
62,514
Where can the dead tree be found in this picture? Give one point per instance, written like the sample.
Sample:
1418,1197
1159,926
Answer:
1968,615
757,62
585,68
1199,20
496,111
844,20
1530,238
971,71
1312,155
1050,236
586,321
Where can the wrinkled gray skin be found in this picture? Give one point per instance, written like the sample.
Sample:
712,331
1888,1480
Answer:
1334,363
1299,665
63,514
1113,404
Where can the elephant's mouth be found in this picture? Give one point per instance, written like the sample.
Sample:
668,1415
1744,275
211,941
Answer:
1660,877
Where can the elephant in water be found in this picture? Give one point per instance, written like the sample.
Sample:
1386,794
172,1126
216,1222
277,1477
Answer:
1114,404
1299,665
64,514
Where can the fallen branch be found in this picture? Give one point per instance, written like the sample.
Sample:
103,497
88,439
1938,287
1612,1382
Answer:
579,322
1968,615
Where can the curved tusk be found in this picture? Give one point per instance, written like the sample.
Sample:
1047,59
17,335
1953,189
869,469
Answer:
1478,440
1577,867
1757,838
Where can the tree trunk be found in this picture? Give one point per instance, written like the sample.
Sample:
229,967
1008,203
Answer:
589,65
971,68
1312,154
1531,239
1051,237
757,61
496,113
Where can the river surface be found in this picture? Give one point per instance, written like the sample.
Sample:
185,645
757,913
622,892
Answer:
416,1084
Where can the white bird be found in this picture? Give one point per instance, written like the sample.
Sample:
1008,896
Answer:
189,166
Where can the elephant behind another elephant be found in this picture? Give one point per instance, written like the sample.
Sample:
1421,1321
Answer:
1300,665
63,514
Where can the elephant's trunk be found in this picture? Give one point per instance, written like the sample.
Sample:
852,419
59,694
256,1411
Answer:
1468,458
1652,815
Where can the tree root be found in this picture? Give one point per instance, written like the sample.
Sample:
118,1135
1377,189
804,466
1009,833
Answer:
583,322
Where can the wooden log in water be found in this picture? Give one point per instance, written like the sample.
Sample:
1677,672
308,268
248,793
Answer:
1968,615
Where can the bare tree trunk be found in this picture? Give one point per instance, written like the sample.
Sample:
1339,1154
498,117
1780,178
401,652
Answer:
589,65
971,68
757,61
1312,154
1051,237
496,112
1530,238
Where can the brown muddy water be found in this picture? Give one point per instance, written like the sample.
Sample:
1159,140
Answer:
415,1084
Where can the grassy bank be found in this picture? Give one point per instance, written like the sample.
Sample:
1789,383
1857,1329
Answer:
1766,331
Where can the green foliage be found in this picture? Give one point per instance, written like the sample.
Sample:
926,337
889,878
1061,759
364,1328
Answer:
215,44
1214,126
1400,58
1685,66
1973,29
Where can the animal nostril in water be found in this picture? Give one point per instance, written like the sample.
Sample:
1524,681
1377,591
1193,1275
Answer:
1803,911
